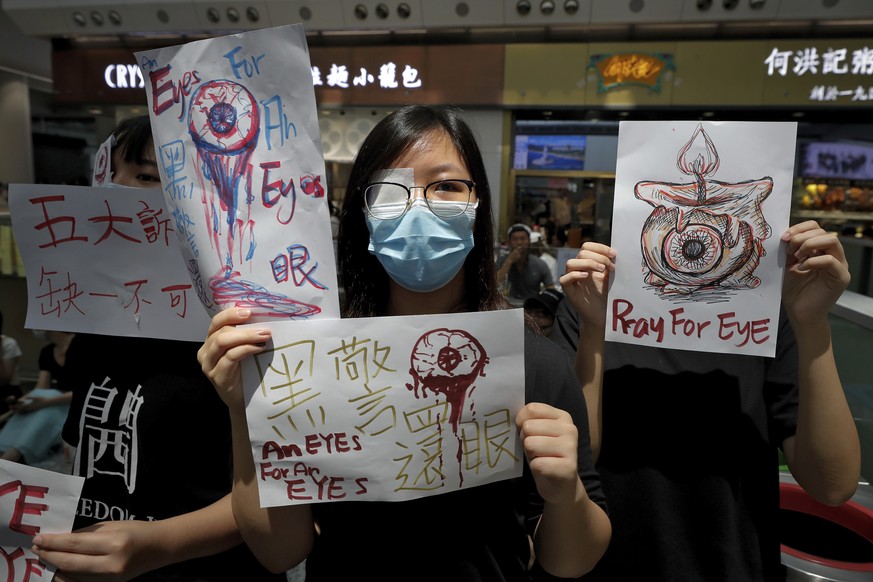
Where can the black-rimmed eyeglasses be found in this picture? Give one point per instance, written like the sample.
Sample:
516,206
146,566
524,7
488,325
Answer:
445,198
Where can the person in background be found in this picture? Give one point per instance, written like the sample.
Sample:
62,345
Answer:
153,443
480,533
542,309
687,442
540,248
10,383
527,274
34,429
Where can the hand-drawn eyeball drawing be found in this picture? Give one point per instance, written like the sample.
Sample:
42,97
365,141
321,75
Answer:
703,234
447,362
224,122
102,164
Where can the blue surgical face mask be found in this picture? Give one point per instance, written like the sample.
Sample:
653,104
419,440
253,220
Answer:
420,250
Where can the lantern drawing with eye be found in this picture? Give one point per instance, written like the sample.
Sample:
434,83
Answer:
703,234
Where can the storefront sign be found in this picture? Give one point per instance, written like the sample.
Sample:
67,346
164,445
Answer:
828,63
123,76
387,75
616,70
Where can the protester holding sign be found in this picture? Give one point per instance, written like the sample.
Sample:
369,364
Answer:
153,444
429,158
9,362
34,430
688,441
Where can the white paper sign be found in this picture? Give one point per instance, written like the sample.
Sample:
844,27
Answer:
33,501
104,260
236,135
385,409
699,262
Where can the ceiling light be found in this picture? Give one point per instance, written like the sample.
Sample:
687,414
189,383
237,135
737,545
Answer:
523,7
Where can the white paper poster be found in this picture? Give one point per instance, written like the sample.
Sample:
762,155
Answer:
236,135
699,261
104,260
385,409
33,501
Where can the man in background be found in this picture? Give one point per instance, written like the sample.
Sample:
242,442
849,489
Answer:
526,273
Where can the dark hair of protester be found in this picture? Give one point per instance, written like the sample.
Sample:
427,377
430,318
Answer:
364,279
132,136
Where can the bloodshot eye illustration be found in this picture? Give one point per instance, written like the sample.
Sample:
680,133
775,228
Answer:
223,122
101,164
706,233
447,362
223,118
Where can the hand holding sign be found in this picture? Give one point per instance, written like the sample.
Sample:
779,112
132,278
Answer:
817,272
117,550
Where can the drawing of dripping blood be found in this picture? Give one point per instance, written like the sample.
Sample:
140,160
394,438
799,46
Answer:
705,234
447,362
223,122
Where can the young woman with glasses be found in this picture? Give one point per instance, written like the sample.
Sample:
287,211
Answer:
416,237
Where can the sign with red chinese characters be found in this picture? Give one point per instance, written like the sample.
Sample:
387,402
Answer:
385,408
32,501
105,260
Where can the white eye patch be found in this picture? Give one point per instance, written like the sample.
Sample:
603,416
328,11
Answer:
405,176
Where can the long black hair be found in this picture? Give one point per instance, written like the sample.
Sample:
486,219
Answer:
363,278
132,137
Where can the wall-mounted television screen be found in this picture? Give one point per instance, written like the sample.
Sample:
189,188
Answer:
549,152
837,160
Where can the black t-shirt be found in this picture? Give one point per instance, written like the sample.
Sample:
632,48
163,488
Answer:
689,458
48,363
477,534
153,441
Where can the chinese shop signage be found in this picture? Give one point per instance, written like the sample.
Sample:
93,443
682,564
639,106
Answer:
841,73
616,70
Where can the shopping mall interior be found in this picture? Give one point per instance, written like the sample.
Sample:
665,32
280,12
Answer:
546,85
